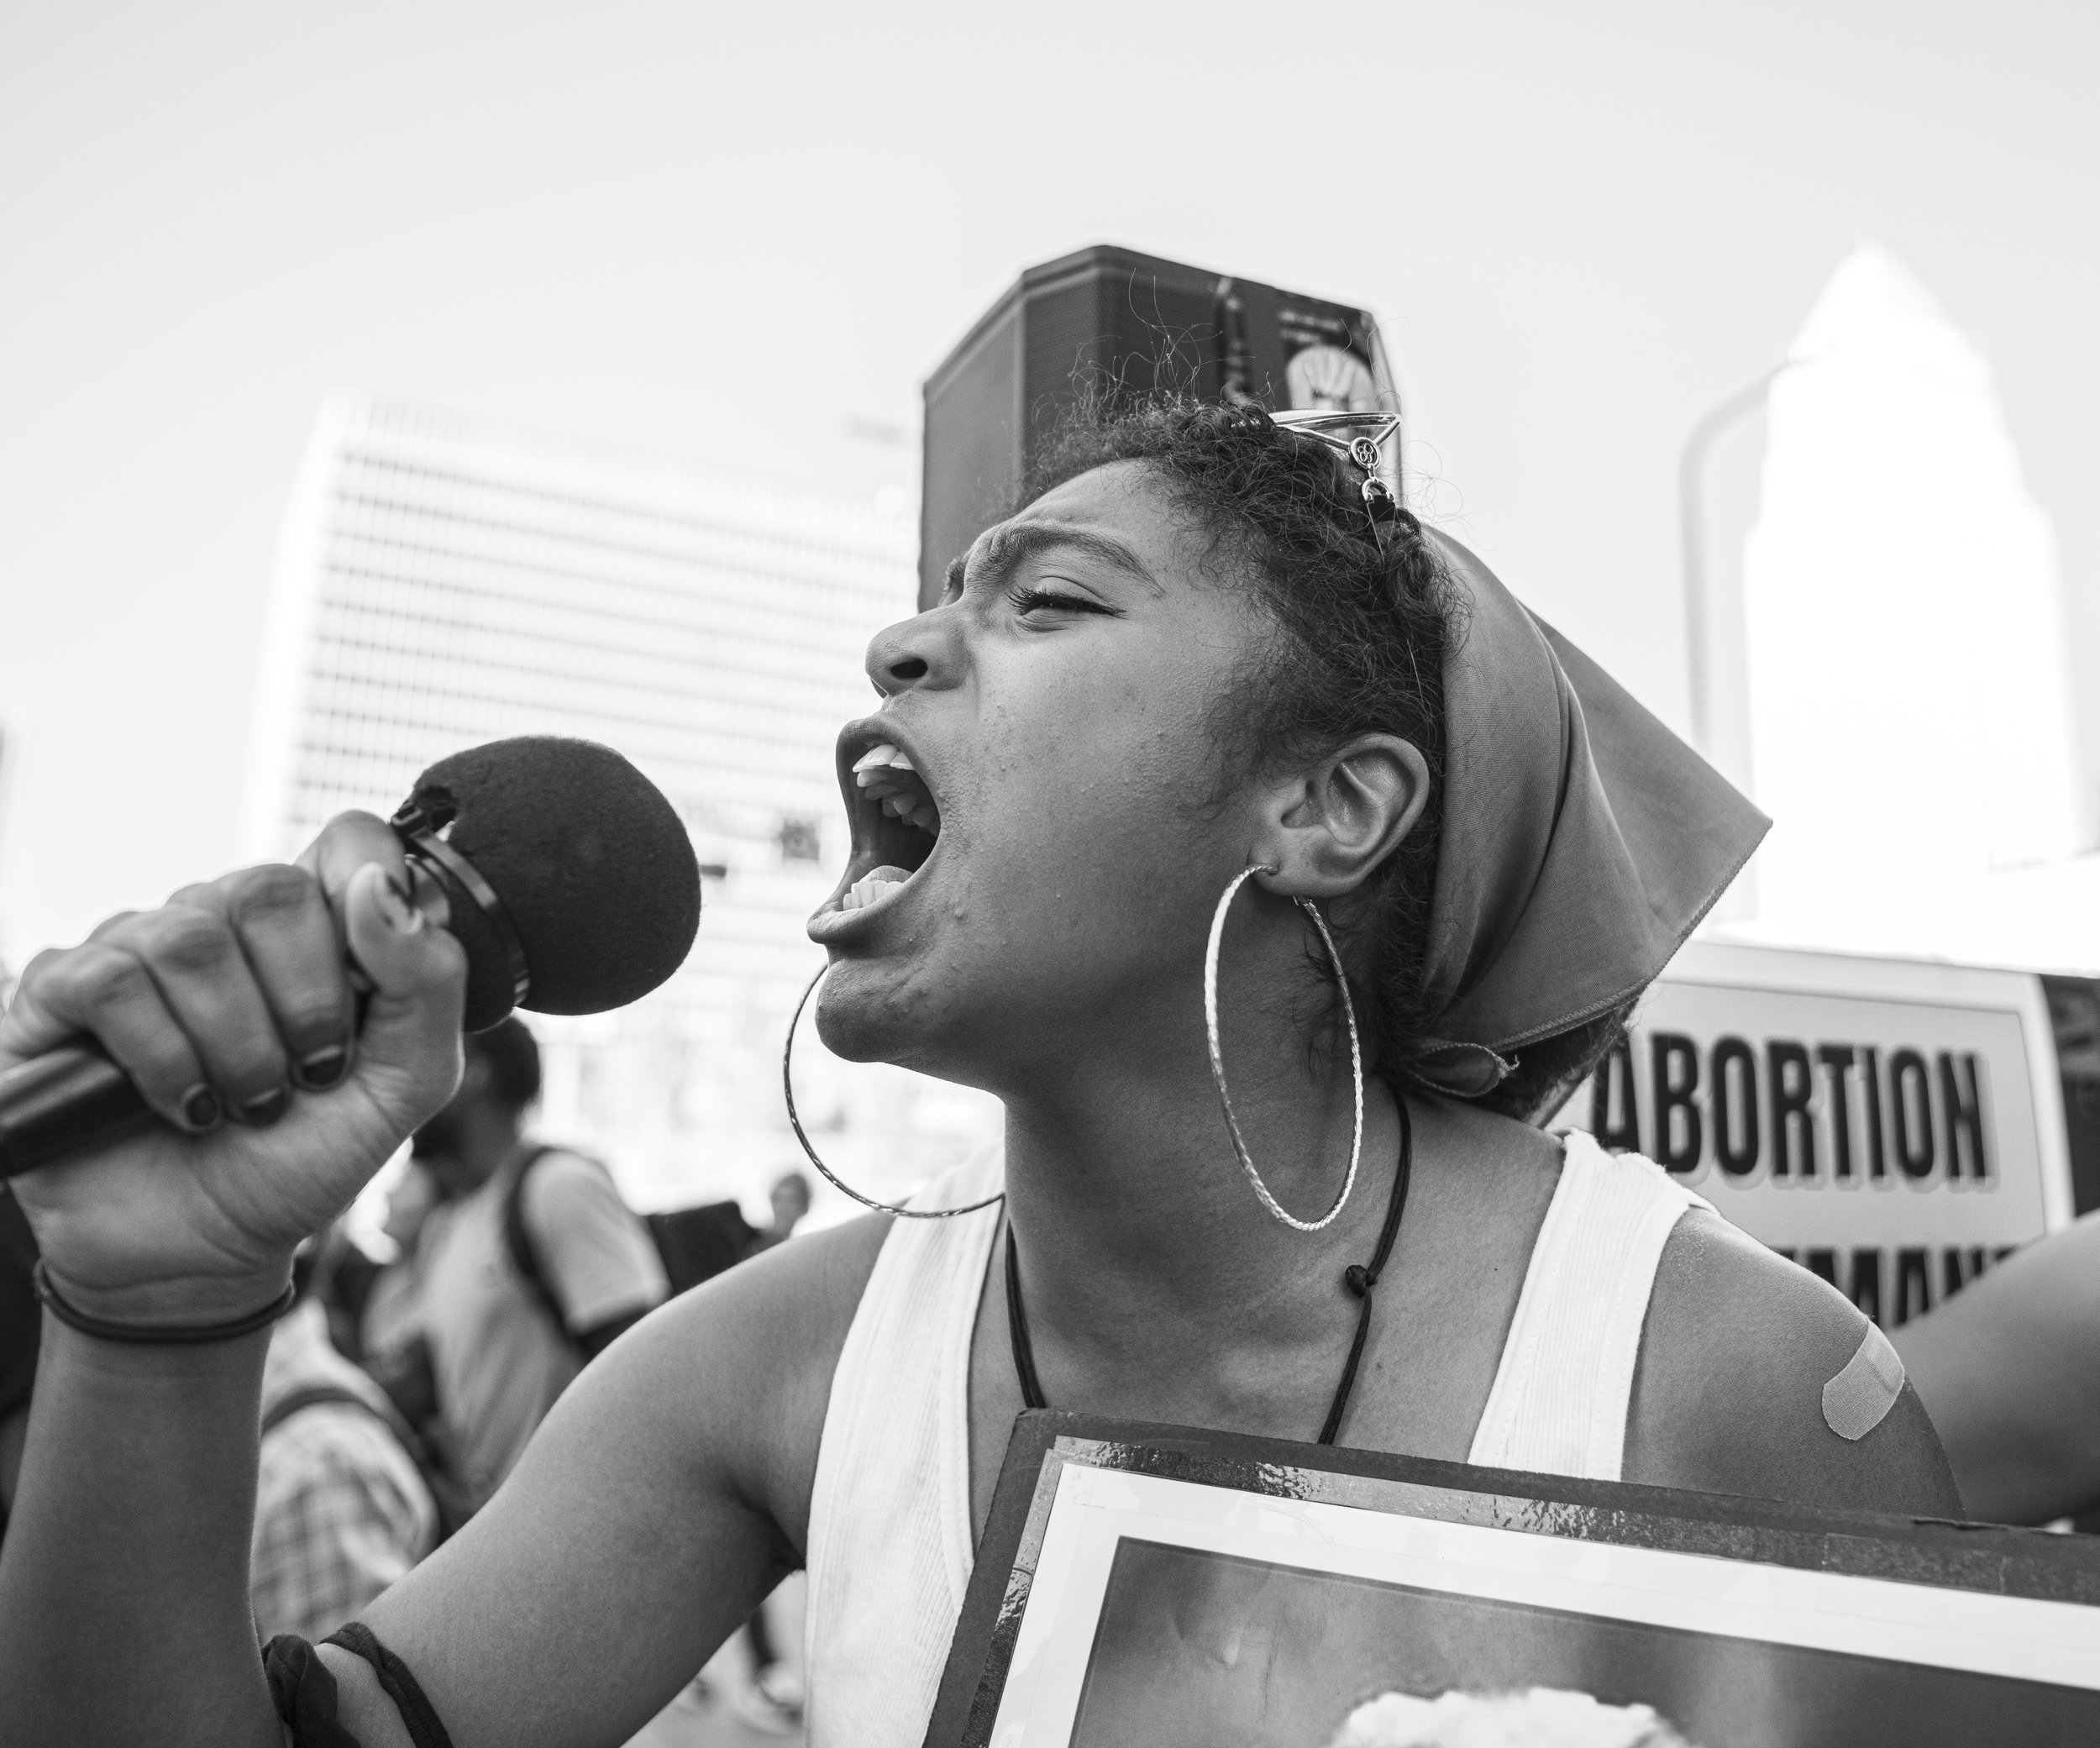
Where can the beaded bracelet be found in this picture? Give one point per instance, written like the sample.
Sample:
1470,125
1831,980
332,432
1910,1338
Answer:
176,1334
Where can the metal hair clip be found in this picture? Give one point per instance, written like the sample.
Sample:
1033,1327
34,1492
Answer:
1360,439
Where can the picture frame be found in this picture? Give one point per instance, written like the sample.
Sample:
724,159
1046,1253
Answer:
1156,1585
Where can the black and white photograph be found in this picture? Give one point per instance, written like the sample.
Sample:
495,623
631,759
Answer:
745,749
1184,1589
1199,1647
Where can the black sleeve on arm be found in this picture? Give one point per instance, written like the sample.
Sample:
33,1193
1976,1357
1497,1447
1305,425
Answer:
600,1336
305,1694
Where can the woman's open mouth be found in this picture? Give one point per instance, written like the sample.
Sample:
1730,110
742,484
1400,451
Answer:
896,823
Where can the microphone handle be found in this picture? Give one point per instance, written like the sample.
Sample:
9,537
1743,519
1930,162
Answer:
65,1099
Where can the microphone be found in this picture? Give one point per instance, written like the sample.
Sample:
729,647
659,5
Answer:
572,884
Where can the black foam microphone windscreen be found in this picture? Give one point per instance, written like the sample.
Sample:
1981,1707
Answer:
569,880
587,857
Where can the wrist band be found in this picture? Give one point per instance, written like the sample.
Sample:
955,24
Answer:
159,1334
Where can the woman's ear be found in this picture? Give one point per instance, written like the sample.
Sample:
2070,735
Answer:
1329,826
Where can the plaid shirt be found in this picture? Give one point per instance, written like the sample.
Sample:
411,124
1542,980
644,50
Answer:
340,1509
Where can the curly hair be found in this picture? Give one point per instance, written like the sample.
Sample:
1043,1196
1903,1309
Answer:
1366,624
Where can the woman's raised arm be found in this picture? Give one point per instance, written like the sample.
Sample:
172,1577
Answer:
123,1580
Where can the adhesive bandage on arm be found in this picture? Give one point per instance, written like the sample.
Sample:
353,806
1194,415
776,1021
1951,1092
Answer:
1860,1397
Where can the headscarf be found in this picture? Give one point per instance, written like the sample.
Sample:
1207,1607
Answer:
1582,840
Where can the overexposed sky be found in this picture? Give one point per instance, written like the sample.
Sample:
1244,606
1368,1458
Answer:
731,233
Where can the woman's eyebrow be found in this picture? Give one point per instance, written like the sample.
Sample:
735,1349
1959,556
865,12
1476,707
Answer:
1005,547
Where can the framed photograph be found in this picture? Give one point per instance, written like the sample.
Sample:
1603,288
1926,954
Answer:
1145,1587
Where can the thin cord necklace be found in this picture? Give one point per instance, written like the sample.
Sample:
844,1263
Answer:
1361,1278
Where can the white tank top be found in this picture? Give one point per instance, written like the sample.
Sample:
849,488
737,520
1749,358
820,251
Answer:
890,1537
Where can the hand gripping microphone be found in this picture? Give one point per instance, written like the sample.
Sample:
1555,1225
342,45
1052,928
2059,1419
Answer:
570,882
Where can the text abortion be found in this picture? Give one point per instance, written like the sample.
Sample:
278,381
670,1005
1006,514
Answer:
1808,1116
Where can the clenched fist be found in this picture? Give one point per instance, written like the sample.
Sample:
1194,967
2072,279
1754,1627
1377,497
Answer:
232,1009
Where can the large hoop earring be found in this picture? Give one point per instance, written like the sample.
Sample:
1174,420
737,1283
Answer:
1217,1053
830,1177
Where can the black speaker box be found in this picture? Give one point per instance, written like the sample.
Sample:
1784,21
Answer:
1116,326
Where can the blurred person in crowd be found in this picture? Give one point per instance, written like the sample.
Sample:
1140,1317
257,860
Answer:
790,1200
341,1509
2009,1370
392,1315
343,1277
504,1346
697,1244
391,1342
21,1319
703,1242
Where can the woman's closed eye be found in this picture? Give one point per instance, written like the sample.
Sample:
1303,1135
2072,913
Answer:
1027,599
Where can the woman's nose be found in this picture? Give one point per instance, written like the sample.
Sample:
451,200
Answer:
915,654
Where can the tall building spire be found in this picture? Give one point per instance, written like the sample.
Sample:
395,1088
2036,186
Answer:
1912,724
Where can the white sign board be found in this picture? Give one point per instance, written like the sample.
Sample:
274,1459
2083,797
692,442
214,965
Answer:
1896,1126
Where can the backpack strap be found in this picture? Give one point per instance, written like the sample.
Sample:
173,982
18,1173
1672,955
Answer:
517,1242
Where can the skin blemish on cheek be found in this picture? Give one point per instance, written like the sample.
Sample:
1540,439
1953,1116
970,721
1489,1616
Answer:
1859,1397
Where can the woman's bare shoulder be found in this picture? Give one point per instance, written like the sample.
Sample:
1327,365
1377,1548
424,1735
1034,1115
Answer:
1729,1396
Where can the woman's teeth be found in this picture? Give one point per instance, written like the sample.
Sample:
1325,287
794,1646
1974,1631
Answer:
885,775
878,757
871,886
